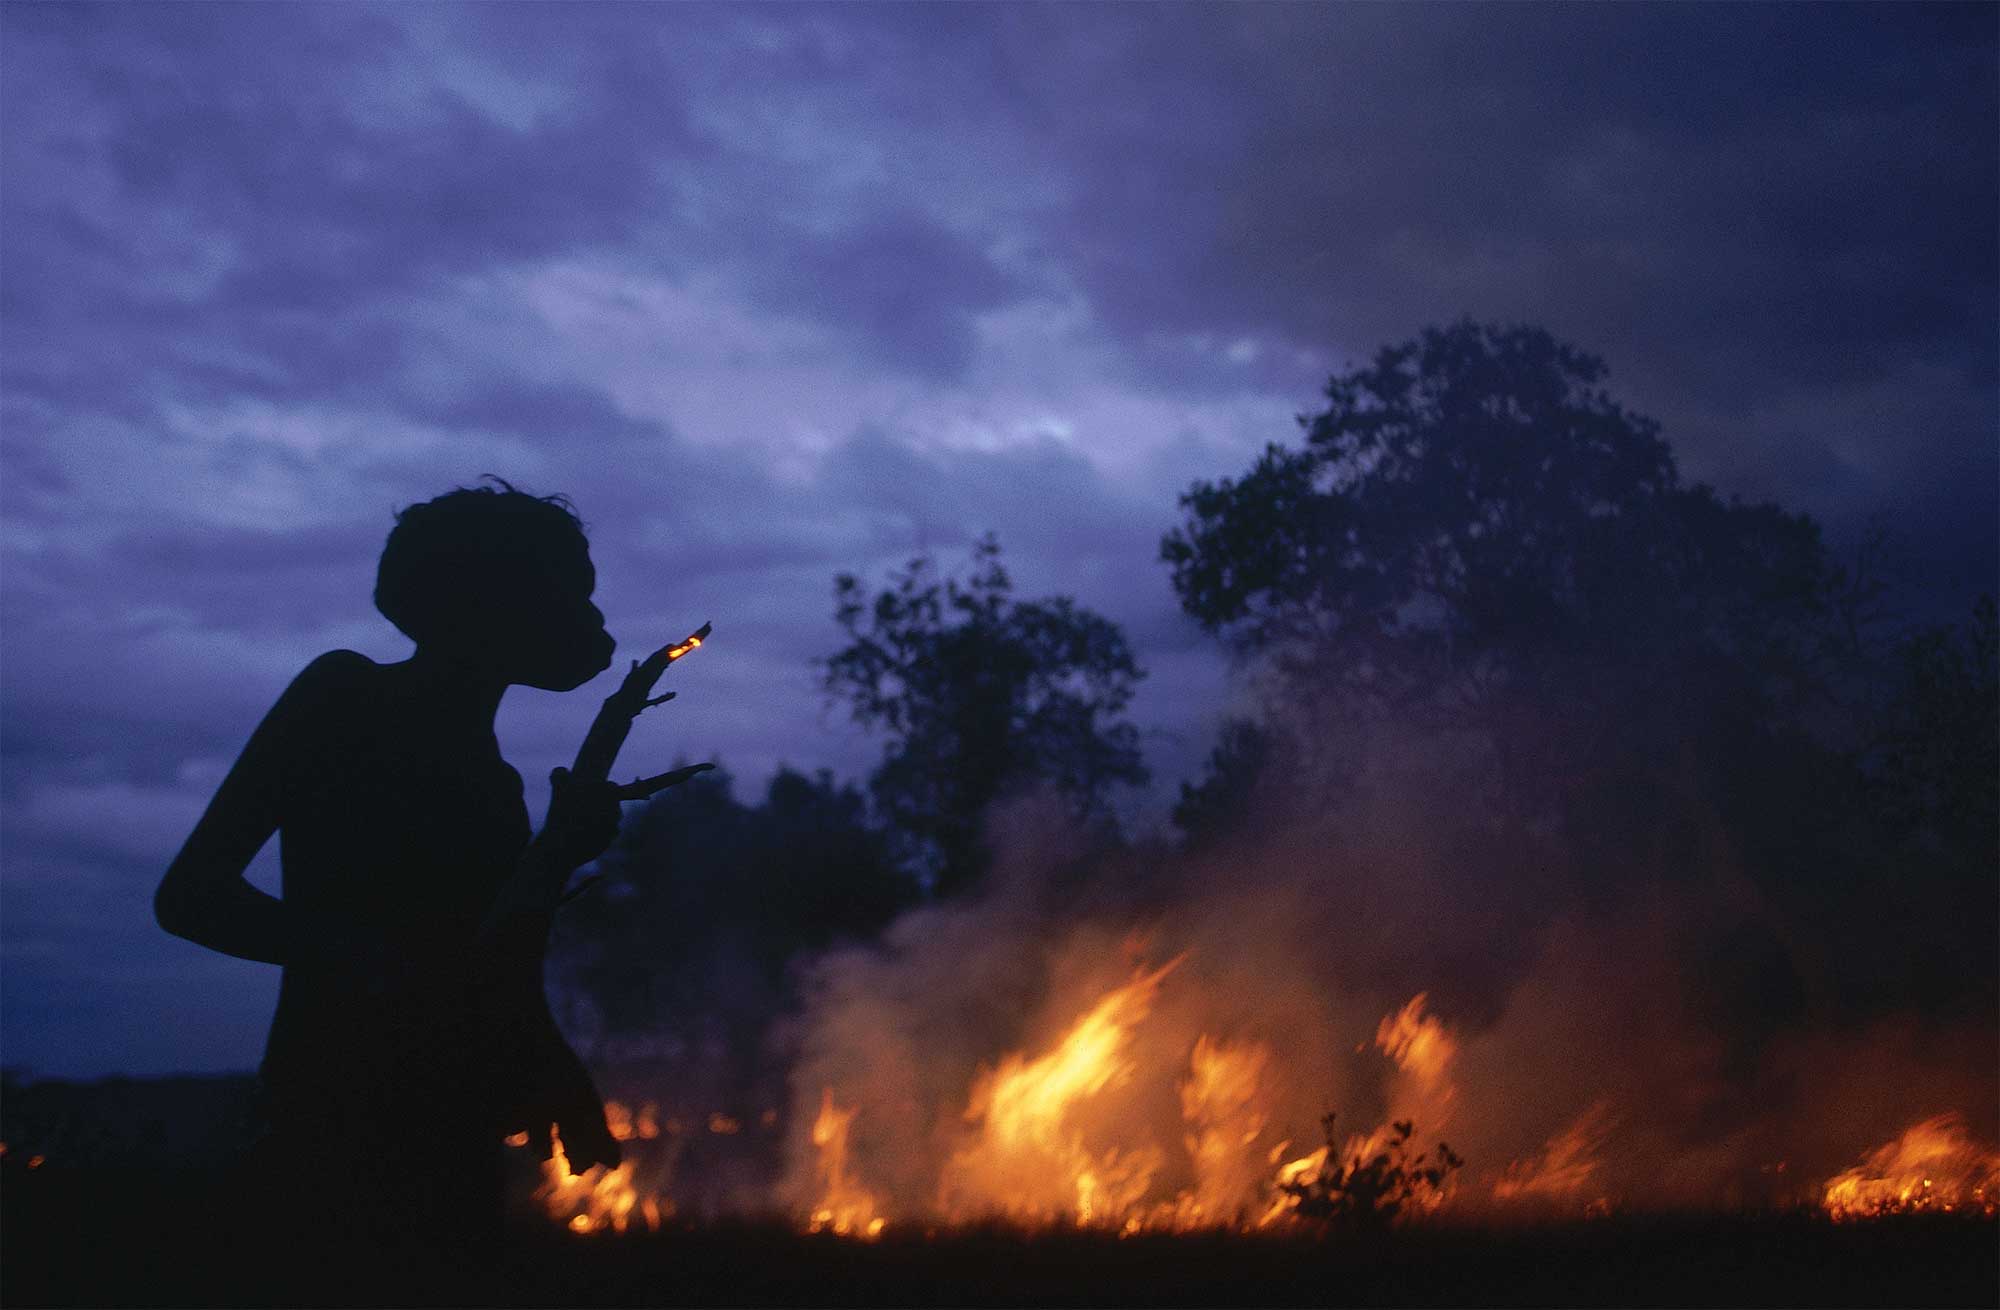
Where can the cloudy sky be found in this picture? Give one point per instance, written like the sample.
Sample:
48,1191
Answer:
777,291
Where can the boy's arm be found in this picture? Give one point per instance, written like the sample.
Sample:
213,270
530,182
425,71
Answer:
204,896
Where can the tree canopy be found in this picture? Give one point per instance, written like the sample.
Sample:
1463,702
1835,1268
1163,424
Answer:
1473,522
1593,672
1474,498
707,902
979,694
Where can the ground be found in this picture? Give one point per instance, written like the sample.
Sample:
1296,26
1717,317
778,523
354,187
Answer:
164,1238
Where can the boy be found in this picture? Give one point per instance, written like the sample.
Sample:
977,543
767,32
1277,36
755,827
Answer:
412,1032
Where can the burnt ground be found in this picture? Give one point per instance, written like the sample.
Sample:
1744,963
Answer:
117,1237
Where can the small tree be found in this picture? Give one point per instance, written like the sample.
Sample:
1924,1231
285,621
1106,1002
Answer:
980,694
707,902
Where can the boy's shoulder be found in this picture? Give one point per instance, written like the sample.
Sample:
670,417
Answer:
333,674
336,664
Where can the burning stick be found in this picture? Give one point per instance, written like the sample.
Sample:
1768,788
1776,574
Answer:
614,722
594,760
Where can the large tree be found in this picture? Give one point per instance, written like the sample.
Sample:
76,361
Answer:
1475,534
979,694
1606,675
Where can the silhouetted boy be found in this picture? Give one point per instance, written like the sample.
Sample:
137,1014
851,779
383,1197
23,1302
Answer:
412,1032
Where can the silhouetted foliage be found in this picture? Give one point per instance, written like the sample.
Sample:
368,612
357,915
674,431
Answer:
707,901
1219,803
1479,556
1475,537
1938,753
1472,517
1367,1191
980,694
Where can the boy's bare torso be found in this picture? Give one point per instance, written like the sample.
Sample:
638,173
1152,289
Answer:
397,827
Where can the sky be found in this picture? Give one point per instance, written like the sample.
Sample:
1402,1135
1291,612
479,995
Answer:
779,291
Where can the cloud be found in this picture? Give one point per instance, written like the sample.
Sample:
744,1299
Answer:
1729,206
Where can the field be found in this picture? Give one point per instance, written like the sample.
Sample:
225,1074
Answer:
107,1237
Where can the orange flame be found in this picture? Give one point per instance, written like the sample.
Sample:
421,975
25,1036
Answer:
1417,1042
598,1199
1222,1102
844,1208
1934,1165
1564,1167
1082,1131
1027,1158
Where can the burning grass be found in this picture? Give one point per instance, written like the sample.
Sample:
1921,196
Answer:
124,1238
1121,1123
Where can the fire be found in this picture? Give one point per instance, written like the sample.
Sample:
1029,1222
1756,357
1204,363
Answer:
1223,1104
844,1208
625,1125
1123,1121
1028,1158
1422,1050
1564,1167
1418,1043
598,1199
1934,1165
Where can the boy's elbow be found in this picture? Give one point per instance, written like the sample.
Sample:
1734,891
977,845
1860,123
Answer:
174,908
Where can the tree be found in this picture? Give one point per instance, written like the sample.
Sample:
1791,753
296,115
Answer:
979,695
1938,752
707,902
1476,535
1219,804
1591,675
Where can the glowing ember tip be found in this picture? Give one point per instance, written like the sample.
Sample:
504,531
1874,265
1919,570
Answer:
690,642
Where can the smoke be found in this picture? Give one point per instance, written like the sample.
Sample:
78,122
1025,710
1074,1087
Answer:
1636,1029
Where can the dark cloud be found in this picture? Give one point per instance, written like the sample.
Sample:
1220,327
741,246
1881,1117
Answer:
1750,212
907,287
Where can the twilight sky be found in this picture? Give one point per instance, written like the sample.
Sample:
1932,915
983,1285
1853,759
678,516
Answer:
776,291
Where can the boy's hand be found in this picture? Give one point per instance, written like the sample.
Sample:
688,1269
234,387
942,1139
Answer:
586,1141
582,822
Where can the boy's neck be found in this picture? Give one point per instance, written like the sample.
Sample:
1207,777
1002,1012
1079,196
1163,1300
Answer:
458,690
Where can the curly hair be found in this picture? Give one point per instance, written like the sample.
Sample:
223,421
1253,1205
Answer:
447,557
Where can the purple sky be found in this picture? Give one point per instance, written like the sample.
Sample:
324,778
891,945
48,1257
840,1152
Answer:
776,291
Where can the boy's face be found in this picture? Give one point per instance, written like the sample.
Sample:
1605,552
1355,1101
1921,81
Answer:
545,632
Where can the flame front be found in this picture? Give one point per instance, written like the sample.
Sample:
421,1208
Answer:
1126,1122
1223,1104
1027,1158
1565,1166
844,1209
600,1199
1933,1165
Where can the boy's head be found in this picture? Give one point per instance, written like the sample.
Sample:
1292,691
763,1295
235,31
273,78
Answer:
496,577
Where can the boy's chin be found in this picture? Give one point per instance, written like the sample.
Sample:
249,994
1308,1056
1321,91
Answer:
569,674
566,681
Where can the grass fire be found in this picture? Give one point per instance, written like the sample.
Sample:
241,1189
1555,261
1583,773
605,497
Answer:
1065,1137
